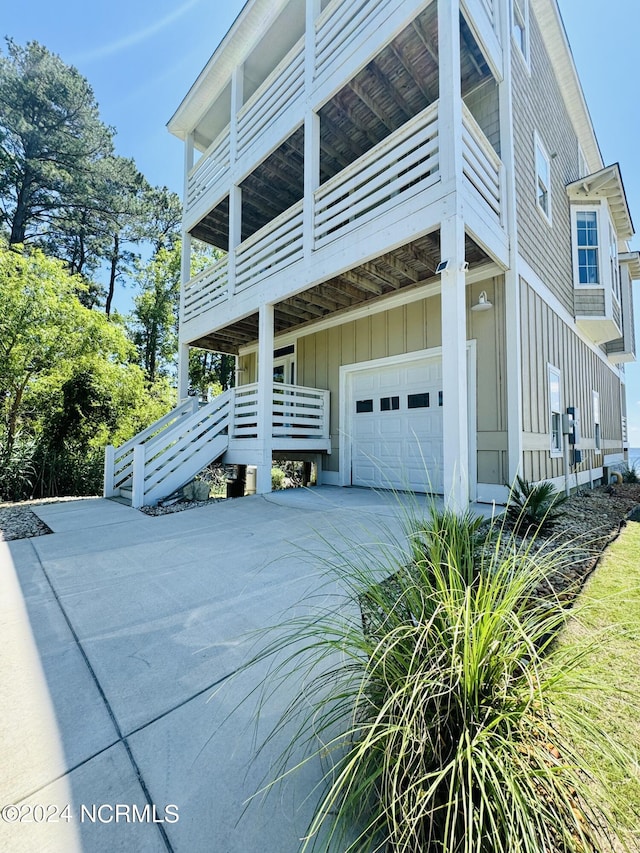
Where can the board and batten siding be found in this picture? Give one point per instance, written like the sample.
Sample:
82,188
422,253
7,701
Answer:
409,328
538,107
546,339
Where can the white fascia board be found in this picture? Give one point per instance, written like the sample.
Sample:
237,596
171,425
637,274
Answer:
555,38
245,33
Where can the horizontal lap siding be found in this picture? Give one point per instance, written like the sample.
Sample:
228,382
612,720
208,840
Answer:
538,107
547,339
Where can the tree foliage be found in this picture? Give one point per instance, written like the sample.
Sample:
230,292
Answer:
51,138
68,381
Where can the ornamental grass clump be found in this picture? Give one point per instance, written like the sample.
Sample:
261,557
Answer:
432,706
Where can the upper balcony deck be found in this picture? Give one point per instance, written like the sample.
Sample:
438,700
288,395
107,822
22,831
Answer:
351,146
345,36
386,195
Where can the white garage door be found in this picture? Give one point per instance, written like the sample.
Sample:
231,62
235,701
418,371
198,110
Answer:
396,426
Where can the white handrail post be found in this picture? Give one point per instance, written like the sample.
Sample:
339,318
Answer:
109,470
137,480
232,413
326,415
195,404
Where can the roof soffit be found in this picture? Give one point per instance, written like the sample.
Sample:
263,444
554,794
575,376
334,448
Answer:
607,184
245,33
632,261
557,44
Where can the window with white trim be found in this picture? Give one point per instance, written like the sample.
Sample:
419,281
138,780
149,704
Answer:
520,26
595,401
555,409
587,246
543,178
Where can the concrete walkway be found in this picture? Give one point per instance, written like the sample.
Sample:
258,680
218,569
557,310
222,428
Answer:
119,636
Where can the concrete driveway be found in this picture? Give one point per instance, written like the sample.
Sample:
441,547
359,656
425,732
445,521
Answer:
119,636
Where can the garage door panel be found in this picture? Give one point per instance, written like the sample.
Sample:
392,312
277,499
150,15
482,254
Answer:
398,442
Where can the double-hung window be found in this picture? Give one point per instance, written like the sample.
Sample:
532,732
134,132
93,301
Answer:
520,26
555,409
543,179
588,246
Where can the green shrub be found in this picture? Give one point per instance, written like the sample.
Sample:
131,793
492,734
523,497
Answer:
277,479
440,717
533,507
630,473
17,470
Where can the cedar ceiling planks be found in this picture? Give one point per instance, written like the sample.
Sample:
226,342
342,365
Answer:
406,266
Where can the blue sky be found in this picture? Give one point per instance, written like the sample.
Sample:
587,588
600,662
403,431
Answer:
141,57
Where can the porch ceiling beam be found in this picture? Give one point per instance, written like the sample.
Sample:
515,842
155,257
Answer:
291,314
361,282
399,266
469,50
372,269
315,298
346,290
337,294
398,52
303,305
426,41
391,91
345,109
379,112
423,256
343,137
333,154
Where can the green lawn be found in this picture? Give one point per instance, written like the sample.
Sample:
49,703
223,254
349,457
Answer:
607,619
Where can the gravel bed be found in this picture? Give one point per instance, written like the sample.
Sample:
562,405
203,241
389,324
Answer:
178,506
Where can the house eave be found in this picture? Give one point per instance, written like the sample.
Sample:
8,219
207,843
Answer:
632,261
246,31
607,184
554,33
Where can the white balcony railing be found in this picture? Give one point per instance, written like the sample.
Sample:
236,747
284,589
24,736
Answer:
271,249
343,26
298,413
482,167
380,178
488,7
206,289
283,88
210,168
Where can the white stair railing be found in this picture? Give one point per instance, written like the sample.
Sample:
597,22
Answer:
175,456
118,461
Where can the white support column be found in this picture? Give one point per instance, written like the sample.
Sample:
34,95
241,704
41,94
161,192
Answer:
311,176
109,467
237,100
452,249
183,372
185,276
265,397
235,233
450,104
455,415
513,348
311,127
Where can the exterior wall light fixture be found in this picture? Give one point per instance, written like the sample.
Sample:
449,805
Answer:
483,303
